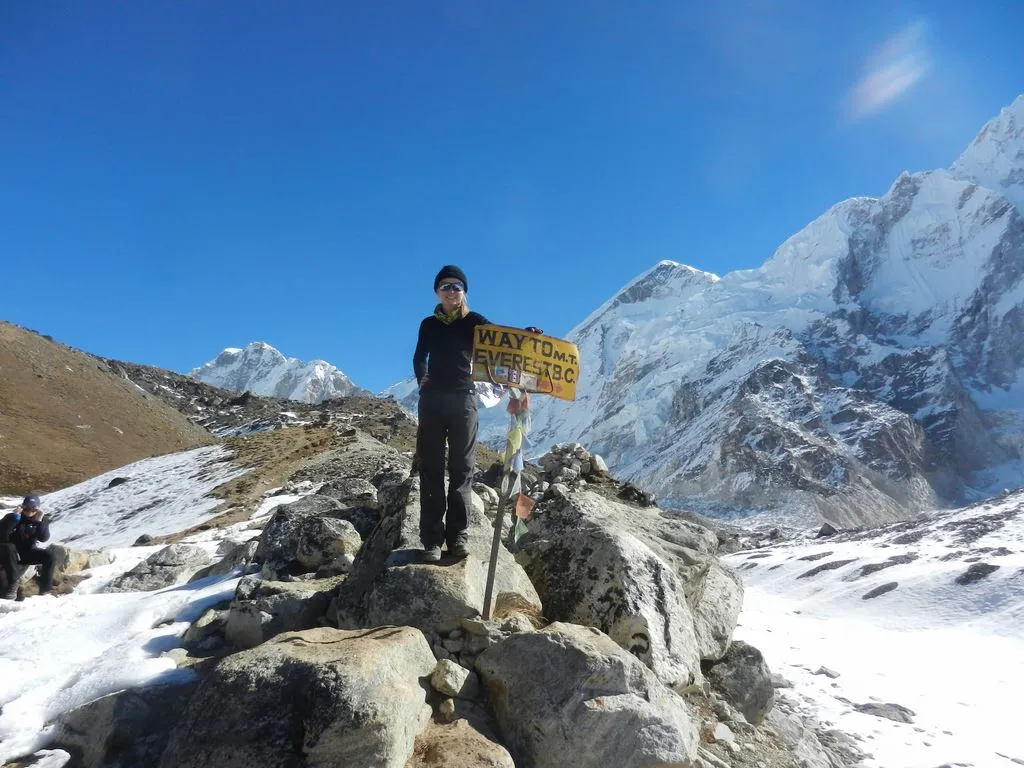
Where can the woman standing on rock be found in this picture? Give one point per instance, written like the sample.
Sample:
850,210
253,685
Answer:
447,412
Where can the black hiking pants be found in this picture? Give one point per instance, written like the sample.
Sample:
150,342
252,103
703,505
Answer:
12,558
446,418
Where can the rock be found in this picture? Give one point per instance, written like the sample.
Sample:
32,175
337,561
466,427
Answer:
627,571
452,680
716,610
169,566
230,556
829,673
889,711
318,697
308,536
722,732
976,572
143,541
629,492
127,729
744,679
589,699
117,481
488,495
458,745
881,589
801,740
778,681
263,609
826,530
446,710
352,492
389,584
210,624
558,491
598,464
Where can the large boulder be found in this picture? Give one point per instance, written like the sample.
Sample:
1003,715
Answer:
318,697
630,572
308,536
569,695
171,565
743,677
126,729
717,606
390,585
263,609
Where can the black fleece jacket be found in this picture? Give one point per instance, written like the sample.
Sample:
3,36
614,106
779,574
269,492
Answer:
23,533
444,353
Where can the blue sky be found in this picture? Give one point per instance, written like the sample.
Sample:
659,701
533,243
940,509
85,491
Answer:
176,178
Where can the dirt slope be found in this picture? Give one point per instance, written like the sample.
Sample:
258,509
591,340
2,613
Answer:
65,417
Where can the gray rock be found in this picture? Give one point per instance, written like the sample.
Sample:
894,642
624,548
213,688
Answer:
598,464
488,495
307,536
210,624
627,572
716,610
263,609
976,572
230,557
122,730
319,697
169,566
889,711
351,492
744,679
390,585
571,691
452,680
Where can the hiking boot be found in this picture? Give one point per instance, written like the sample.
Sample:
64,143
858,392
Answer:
459,550
11,593
432,554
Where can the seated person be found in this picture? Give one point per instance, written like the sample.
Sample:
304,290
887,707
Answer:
19,532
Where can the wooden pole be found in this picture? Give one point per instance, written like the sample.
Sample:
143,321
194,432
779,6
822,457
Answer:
499,520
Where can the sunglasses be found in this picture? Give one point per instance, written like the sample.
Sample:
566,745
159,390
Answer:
457,287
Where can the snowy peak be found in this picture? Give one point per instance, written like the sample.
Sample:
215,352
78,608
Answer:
853,366
995,159
262,370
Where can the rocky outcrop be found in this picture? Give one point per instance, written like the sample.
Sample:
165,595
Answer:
746,681
122,730
263,609
597,705
635,574
171,565
319,697
389,585
308,536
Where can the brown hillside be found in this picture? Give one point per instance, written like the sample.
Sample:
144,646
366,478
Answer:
65,417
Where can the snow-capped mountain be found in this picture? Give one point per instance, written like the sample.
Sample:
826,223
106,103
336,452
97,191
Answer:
868,369
262,370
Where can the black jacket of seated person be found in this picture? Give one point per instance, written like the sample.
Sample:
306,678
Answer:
442,363
19,535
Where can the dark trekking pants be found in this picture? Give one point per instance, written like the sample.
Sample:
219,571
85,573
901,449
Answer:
12,559
446,418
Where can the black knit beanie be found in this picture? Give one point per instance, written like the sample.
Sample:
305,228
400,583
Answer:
450,271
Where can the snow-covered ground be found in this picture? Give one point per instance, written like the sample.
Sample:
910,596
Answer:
945,642
62,652
952,653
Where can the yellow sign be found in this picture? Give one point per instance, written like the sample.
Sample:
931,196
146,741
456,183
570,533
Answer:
529,361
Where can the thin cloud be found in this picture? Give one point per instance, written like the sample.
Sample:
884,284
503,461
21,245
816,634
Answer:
890,72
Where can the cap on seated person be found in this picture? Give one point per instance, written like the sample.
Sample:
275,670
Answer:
31,502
